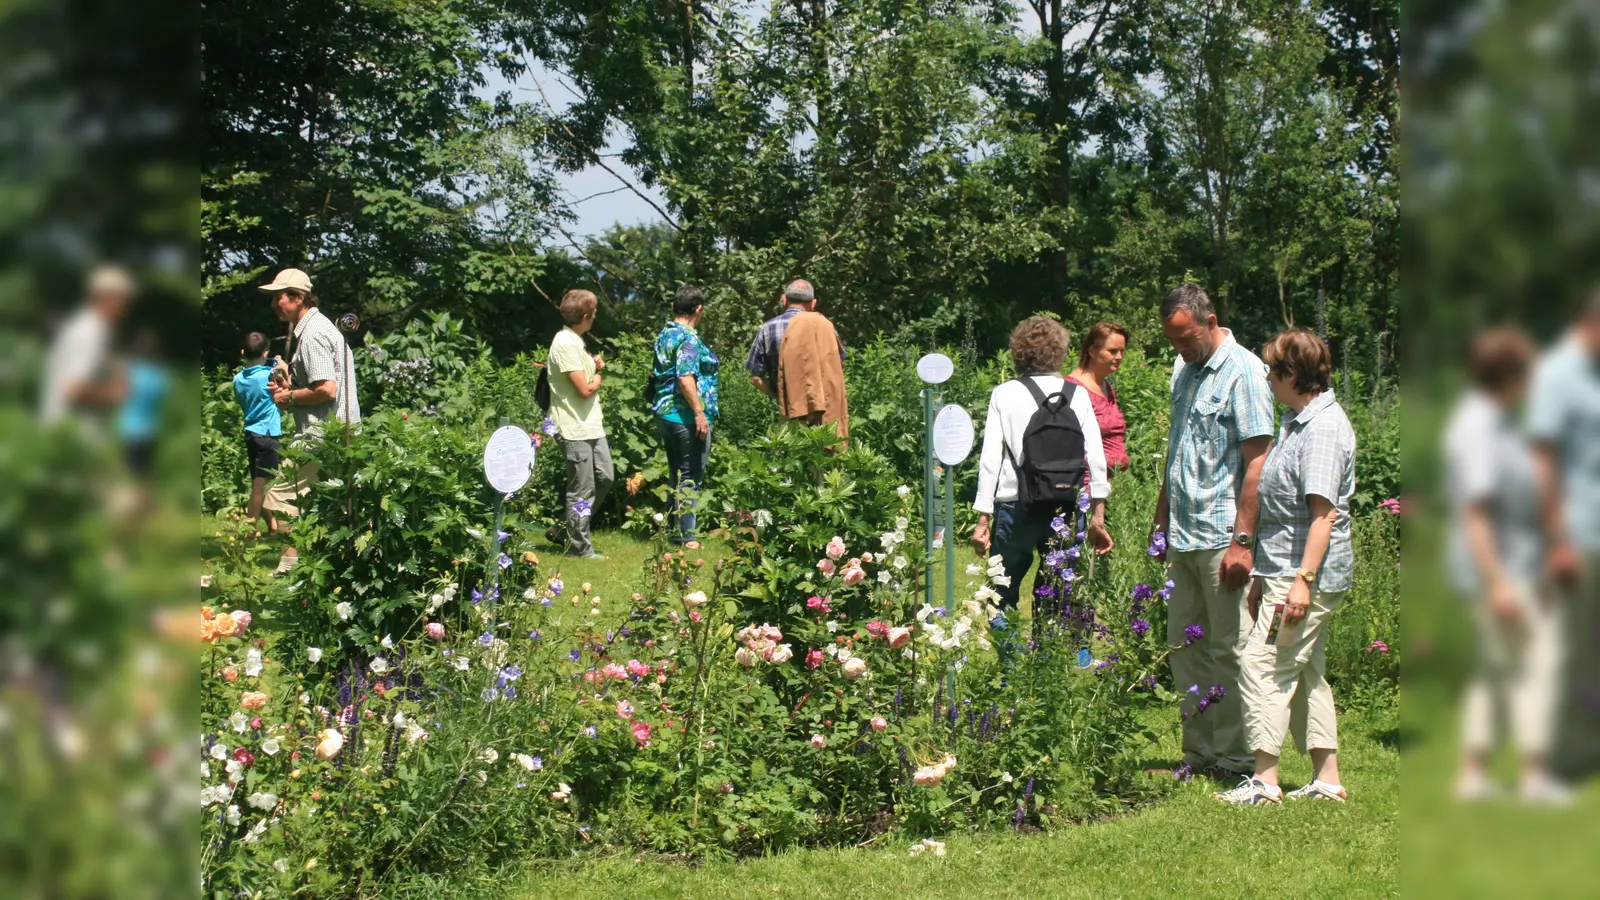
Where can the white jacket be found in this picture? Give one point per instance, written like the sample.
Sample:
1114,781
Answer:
1010,408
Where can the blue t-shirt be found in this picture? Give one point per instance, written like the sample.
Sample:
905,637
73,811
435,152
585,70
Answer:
140,416
260,413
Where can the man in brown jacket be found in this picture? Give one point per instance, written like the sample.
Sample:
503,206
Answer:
810,376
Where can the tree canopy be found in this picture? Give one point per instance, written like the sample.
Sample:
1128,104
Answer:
938,169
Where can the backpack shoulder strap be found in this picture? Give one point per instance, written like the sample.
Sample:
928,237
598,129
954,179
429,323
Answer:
1034,389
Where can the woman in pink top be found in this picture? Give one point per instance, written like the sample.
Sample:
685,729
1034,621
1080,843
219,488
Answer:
1100,359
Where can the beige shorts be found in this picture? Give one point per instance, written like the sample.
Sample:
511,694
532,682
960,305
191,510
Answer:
294,482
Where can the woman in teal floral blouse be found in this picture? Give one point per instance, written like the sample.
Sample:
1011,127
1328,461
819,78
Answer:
684,398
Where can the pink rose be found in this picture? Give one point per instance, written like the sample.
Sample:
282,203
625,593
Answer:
694,615
853,576
854,667
641,734
878,723
435,630
899,636
866,557
877,628
835,547
624,709
827,567
818,741
638,668
256,722
612,670
813,658
242,620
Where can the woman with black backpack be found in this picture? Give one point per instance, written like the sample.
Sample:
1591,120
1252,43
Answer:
1039,441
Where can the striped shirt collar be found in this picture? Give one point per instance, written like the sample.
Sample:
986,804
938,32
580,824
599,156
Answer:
1218,357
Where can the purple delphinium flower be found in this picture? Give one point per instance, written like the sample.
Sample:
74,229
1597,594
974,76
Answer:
1045,592
1201,706
1217,693
583,508
1183,773
549,427
1140,627
1055,558
557,586
535,635
1058,525
1158,544
1192,633
575,655
1143,592
1017,821
1148,682
485,639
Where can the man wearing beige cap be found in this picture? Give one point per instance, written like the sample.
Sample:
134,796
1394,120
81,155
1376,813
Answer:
75,376
322,386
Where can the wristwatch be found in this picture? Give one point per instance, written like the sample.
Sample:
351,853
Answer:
1244,539
1310,575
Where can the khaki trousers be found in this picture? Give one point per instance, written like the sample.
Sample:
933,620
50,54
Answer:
1216,736
1576,752
1518,670
1285,686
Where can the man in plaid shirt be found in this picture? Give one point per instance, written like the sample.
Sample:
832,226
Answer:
762,363
1222,425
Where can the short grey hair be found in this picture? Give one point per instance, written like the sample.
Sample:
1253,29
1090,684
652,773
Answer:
1189,298
799,291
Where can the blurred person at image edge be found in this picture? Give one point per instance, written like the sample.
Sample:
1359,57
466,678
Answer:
1564,424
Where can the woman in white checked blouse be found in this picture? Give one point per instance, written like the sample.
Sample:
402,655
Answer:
1303,566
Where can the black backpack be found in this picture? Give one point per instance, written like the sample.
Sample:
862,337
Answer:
1053,462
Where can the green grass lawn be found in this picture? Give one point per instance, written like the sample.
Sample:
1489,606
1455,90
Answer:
1188,846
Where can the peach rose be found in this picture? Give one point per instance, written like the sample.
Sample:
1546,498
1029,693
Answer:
226,624
253,700
208,630
230,673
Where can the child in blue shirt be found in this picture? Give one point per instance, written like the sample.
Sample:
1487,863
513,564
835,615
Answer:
262,422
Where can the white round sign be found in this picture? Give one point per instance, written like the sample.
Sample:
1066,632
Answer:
935,368
508,459
952,434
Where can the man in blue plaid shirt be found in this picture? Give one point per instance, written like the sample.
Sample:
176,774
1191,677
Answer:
762,363
1222,424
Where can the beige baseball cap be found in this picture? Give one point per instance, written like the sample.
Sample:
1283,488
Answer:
289,278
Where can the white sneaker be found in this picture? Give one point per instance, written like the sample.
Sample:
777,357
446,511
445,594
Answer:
1475,789
1318,790
1252,791
1546,792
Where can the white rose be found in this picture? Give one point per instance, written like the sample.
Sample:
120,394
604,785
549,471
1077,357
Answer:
314,654
233,815
414,733
745,657
330,745
854,667
696,599
379,665
781,654
263,801
489,755
460,662
252,663
344,609
903,490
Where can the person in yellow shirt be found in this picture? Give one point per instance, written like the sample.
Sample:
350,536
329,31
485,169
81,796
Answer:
575,408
